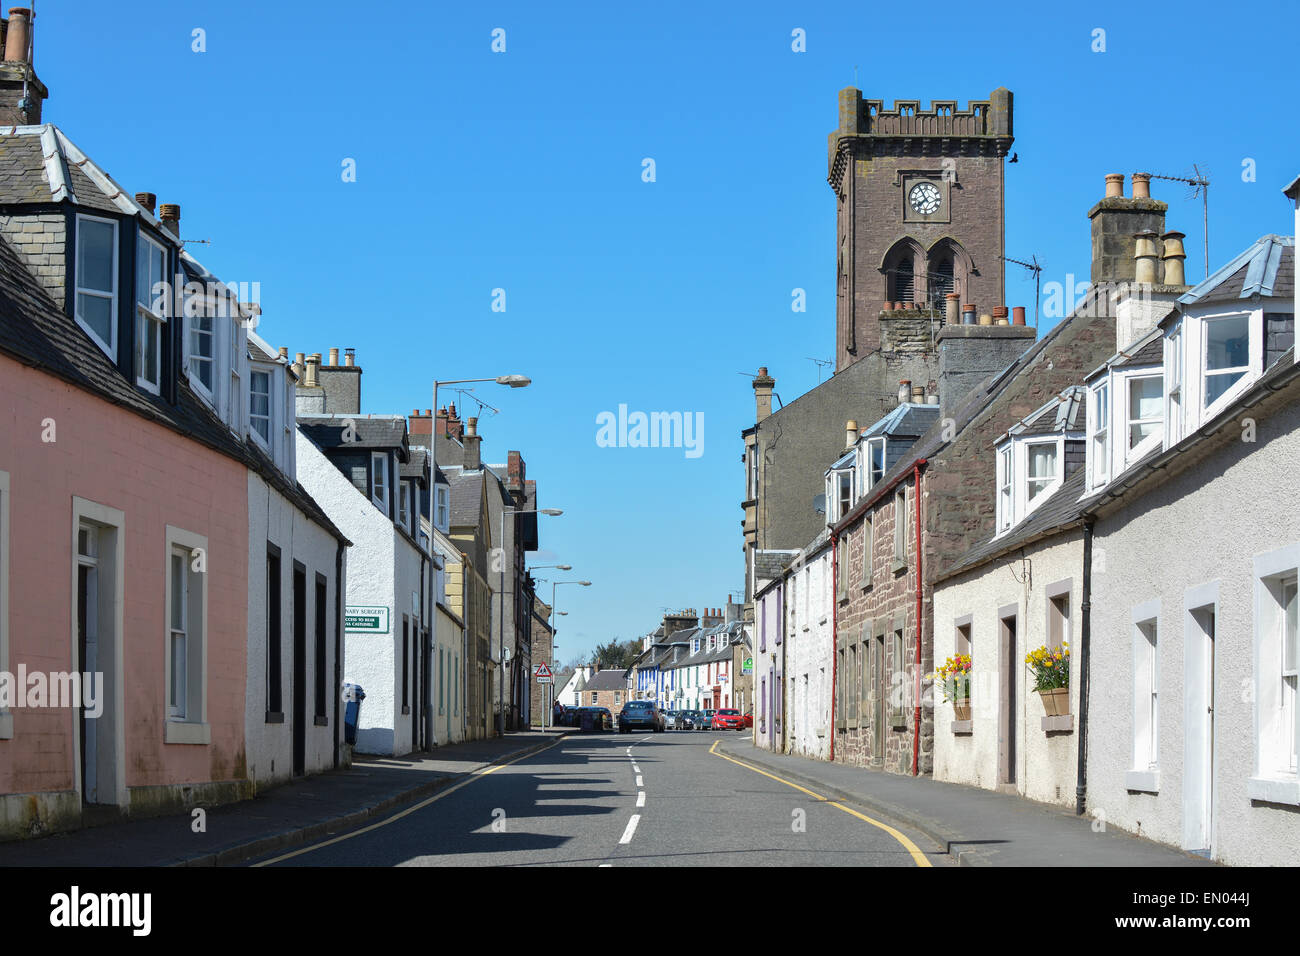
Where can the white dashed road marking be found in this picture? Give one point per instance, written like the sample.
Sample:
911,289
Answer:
640,798
631,828
639,783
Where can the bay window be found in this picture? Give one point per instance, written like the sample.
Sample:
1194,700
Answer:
1145,413
96,281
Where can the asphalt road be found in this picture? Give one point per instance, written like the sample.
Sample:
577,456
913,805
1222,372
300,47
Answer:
623,800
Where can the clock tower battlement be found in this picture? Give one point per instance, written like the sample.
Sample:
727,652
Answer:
919,197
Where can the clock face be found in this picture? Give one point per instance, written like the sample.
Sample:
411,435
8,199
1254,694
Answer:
924,198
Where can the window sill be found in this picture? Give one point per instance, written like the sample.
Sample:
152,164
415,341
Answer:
1060,724
1142,781
963,728
274,717
897,566
322,721
865,585
184,732
842,597
6,725
1284,790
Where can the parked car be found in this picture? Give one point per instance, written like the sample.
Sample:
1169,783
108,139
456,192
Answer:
728,720
672,719
706,717
687,719
641,714
749,718
601,719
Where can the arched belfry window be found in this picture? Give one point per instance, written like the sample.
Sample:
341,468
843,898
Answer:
941,278
902,282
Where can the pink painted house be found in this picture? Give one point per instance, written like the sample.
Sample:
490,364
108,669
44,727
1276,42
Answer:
129,452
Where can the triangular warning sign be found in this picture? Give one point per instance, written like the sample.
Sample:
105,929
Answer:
543,670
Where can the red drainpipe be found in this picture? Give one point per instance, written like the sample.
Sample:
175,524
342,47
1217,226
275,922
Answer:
916,716
835,611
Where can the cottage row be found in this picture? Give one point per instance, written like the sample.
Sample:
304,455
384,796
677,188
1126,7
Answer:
1060,567
203,541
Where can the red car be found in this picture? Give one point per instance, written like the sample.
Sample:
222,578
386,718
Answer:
749,719
728,720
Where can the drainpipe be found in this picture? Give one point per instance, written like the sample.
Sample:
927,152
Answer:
1085,629
920,625
835,630
338,644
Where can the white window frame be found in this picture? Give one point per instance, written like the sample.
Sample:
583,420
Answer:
1100,429
871,445
191,726
444,517
145,316
6,717
868,541
404,504
253,373
900,524
378,469
1276,779
1049,483
196,308
1133,453
109,347
1006,493
1254,362
1175,385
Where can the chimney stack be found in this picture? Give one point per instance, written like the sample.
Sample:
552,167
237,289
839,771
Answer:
341,383
1116,221
763,386
21,93
170,214
472,441
148,200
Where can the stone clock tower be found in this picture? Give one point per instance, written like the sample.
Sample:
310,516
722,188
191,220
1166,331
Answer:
919,204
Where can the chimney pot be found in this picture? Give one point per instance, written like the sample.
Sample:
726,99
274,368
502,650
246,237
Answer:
471,426
1173,258
850,432
952,308
284,351
18,35
170,214
334,357
148,200
1000,315
904,390
1145,255
1141,185
1115,186
1018,315
349,357
313,365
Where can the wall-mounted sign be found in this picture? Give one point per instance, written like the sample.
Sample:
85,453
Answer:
747,666
365,620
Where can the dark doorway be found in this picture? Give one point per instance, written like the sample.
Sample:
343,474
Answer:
299,670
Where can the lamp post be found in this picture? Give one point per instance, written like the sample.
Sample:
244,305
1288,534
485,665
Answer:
501,628
513,381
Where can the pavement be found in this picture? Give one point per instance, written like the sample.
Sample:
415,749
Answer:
281,817
975,827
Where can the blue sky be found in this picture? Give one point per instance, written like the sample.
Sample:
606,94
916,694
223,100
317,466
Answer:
522,171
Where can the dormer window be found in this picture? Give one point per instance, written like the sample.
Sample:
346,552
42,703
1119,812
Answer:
442,508
839,488
1227,355
150,312
1099,420
1174,386
259,405
1005,506
404,506
1028,472
96,281
875,469
203,351
1044,469
1145,414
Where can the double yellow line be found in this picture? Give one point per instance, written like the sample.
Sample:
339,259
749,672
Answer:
918,857
474,775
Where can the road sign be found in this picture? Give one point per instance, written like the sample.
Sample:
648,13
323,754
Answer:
543,674
748,666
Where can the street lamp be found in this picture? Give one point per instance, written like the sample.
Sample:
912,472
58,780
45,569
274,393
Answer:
554,612
501,625
513,381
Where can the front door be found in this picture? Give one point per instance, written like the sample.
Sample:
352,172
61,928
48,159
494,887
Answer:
1007,702
88,652
1198,782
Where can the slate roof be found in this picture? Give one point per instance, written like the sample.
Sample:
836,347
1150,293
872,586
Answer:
770,564
1064,413
1265,268
908,419
466,497
613,679
37,333
369,431
416,465
1051,517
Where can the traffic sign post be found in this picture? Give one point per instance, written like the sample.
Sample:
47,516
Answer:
544,677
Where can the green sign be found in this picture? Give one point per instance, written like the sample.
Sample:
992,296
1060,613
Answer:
747,666
365,620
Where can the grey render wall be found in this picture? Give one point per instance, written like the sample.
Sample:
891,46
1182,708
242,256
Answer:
1197,526
968,354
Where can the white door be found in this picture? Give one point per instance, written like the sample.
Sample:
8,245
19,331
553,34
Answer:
1198,762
